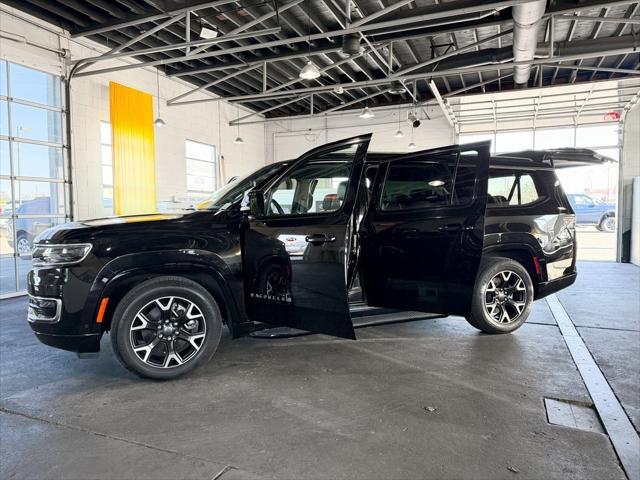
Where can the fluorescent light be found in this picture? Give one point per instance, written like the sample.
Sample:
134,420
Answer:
399,134
309,71
366,113
238,140
158,122
436,183
208,33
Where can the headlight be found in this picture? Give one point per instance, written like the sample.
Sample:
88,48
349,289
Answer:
53,255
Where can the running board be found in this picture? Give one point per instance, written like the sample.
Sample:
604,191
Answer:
362,317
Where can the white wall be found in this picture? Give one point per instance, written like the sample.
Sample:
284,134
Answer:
205,122
289,138
629,168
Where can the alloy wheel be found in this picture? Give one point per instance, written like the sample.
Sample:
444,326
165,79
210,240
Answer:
24,246
610,224
505,297
167,332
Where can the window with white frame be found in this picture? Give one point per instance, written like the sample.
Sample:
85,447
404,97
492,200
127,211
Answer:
106,160
33,177
201,169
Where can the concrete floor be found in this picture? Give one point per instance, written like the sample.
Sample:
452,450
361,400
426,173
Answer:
427,399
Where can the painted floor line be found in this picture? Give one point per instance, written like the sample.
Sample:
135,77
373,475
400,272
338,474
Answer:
623,435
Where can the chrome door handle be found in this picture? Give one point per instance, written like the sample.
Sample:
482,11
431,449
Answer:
456,228
319,239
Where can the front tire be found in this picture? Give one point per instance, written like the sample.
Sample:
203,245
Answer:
166,327
502,296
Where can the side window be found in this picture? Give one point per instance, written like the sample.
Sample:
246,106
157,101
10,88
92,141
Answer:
317,186
433,183
510,189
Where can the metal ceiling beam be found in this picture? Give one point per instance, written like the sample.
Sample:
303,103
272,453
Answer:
425,75
116,53
137,20
476,85
461,7
635,21
254,22
174,100
443,107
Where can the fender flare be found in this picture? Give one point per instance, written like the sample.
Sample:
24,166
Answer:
206,268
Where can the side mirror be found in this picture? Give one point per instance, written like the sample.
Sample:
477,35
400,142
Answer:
253,203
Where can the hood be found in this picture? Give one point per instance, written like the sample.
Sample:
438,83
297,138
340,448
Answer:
86,230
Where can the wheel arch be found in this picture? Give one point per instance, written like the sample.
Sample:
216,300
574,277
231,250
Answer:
524,256
114,283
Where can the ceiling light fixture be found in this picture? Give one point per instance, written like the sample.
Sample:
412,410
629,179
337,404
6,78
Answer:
366,113
411,145
338,89
309,71
399,132
238,139
158,122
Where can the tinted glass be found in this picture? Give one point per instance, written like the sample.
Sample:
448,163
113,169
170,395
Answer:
511,190
313,188
318,185
35,86
234,190
429,184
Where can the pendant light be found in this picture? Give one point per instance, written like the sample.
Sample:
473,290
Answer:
238,139
411,145
158,122
366,112
310,71
399,133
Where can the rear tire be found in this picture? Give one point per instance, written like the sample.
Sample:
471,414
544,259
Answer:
166,327
502,296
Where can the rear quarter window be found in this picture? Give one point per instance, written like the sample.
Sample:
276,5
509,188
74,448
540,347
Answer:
514,189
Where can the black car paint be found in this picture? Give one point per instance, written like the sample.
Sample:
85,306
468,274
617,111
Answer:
206,246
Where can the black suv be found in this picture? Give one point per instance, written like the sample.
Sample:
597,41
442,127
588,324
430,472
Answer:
450,231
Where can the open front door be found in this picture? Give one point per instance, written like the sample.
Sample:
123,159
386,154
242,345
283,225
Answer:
422,237
295,248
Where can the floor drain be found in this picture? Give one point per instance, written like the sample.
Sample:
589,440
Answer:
572,414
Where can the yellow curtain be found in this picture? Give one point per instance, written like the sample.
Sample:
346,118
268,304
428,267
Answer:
134,164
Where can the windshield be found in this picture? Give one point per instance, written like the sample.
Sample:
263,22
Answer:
234,190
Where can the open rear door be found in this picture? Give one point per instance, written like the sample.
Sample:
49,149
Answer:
295,249
423,234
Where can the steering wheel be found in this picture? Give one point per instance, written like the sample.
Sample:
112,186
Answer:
277,207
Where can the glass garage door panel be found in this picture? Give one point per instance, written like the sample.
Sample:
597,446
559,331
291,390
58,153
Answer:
32,167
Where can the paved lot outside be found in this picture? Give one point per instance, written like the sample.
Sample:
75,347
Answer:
427,399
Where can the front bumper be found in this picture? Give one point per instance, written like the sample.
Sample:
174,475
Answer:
89,343
59,312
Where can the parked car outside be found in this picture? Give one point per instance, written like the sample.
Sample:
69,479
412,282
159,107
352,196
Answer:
590,211
451,231
27,228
